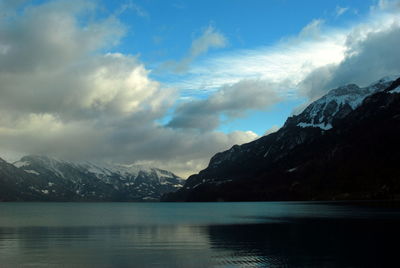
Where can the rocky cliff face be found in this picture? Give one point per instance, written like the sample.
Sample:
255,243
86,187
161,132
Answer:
43,178
342,146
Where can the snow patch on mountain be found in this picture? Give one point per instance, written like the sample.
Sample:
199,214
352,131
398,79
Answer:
396,90
32,171
322,125
20,164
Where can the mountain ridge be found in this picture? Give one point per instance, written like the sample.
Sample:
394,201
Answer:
41,178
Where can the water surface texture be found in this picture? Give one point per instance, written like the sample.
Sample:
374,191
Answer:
275,234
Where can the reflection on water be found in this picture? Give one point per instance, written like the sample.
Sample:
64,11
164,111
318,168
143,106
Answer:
137,246
198,235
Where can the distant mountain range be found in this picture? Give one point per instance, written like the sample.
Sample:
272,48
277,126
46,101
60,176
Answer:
345,145
41,178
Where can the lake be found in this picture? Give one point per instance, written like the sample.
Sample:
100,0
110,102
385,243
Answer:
260,234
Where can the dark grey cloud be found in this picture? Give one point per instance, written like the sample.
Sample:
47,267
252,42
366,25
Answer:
43,36
231,100
367,59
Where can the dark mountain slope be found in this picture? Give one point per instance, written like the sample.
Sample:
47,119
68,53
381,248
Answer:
13,186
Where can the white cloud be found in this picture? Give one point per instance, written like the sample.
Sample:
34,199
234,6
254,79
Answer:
133,7
288,63
311,31
291,60
209,39
340,10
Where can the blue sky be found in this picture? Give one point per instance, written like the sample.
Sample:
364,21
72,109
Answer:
163,31
169,83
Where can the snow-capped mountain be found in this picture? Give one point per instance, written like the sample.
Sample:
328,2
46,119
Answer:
343,145
53,179
317,117
337,104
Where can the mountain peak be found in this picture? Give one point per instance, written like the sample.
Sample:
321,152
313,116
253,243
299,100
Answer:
336,104
344,90
385,80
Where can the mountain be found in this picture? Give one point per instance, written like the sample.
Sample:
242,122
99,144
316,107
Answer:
41,178
345,145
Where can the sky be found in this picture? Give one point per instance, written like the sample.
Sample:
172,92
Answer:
169,83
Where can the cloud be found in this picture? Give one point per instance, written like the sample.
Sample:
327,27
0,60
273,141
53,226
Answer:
183,151
272,129
44,36
311,30
306,61
289,60
62,95
231,100
209,39
339,11
124,141
133,7
369,57
7,8
387,5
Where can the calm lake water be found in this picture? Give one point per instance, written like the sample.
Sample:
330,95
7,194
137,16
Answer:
275,234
